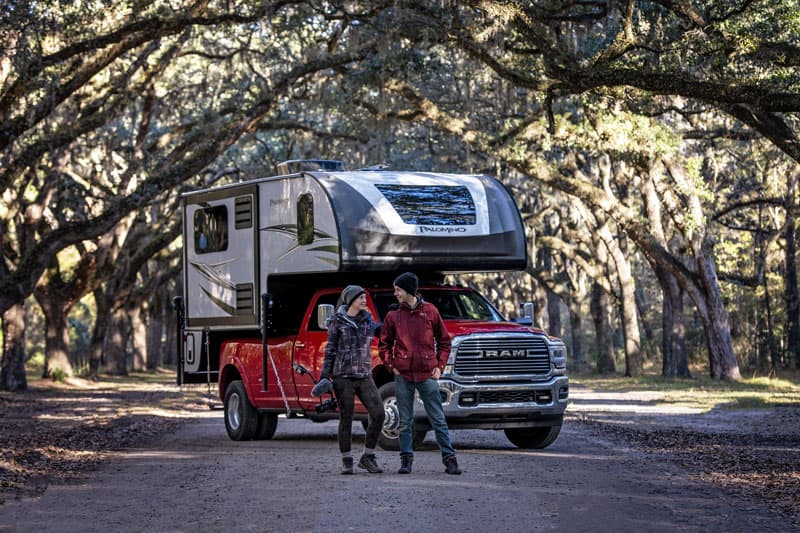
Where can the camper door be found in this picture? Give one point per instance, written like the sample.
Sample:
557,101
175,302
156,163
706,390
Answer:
221,258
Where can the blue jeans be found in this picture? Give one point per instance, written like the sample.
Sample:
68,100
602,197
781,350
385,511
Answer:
429,394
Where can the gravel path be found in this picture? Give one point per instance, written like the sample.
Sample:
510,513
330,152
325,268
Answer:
153,457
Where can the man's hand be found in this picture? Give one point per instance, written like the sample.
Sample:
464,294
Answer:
436,373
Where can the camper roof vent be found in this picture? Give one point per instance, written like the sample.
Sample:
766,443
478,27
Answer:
298,165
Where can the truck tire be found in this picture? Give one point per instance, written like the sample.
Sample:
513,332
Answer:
267,424
389,437
241,418
533,438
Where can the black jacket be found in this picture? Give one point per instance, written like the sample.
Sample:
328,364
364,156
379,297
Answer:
347,353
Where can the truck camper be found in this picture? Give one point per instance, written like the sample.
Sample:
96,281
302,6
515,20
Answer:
264,262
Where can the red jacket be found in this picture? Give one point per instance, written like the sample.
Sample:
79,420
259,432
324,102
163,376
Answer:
414,341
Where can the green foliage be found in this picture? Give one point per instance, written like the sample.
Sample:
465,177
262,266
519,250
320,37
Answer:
58,375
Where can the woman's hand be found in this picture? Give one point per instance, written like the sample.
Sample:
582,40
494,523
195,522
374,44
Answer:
436,374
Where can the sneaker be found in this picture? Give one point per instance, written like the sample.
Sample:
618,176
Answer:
451,465
347,466
368,463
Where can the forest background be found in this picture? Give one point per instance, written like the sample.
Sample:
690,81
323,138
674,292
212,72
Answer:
651,146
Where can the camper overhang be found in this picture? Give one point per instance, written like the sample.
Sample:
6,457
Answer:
430,221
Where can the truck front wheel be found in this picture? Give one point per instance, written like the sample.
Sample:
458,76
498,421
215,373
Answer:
389,437
241,418
533,438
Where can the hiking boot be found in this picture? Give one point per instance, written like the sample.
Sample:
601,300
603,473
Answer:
405,464
347,466
451,465
368,463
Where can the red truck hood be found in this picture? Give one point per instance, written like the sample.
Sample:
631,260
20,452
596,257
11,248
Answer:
465,327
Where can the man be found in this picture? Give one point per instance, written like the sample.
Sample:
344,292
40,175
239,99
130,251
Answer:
415,346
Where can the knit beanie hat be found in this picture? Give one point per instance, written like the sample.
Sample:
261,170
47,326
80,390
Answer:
408,281
349,295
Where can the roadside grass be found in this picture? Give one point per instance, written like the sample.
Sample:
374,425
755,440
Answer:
702,392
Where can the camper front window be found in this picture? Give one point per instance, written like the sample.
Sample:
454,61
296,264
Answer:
435,205
211,229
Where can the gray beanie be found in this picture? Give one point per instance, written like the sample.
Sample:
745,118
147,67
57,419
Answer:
349,295
408,281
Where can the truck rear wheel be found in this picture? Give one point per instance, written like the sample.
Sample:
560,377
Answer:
267,424
533,438
389,437
241,418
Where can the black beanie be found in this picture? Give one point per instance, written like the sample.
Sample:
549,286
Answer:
409,282
349,295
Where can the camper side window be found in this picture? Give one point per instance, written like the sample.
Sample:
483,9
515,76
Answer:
305,219
211,229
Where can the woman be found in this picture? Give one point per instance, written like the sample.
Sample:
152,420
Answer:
349,363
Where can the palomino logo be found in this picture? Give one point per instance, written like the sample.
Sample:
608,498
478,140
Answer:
441,229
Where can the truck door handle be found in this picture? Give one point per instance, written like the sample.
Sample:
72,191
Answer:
299,345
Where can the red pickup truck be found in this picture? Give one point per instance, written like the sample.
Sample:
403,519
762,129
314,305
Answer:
500,374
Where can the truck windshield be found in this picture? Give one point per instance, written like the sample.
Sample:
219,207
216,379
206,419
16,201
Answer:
452,304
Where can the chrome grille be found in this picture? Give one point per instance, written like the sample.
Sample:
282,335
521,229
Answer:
509,356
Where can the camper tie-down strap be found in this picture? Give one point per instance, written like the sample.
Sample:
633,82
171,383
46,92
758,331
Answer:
280,385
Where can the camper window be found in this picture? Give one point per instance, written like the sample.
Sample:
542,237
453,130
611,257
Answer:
211,229
305,219
441,205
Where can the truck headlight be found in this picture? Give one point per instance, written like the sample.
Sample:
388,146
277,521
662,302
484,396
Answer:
559,358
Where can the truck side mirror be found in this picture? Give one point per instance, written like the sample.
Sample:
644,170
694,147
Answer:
526,314
324,315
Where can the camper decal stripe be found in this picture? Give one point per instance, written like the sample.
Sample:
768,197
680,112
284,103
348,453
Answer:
291,229
329,248
222,305
214,273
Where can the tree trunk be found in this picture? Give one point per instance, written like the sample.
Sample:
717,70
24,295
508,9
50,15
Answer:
156,330
539,306
649,336
714,317
634,360
138,336
545,259
791,293
631,339
576,329
553,314
12,366
675,361
97,347
116,343
56,339
602,327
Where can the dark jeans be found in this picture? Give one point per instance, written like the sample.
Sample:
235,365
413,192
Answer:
346,390
429,394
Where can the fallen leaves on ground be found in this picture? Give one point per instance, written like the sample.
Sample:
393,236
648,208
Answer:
60,431
759,461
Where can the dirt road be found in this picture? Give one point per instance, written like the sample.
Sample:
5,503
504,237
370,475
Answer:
197,480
